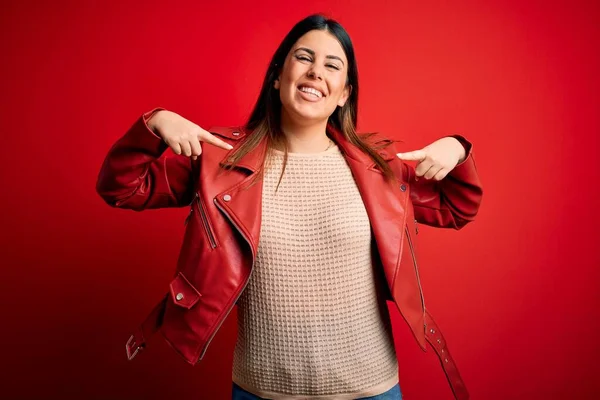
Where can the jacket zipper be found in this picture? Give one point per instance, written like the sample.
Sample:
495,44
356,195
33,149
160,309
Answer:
202,212
187,219
412,252
241,291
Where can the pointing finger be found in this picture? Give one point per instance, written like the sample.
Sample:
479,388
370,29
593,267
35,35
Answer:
416,155
211,139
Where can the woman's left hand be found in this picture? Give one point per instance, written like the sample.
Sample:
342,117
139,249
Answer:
436,160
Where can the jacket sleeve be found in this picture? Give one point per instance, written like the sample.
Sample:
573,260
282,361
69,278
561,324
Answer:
136,174
451,202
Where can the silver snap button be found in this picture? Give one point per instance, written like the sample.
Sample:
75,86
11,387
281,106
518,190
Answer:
227,197
236,134
442,351
179,296
403,187
446,360
439,341
432,330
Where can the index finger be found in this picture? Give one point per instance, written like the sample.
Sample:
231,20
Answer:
416,155
207,137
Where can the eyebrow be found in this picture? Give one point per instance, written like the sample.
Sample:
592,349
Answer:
312,53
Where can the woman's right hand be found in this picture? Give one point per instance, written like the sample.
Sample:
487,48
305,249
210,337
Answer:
182,135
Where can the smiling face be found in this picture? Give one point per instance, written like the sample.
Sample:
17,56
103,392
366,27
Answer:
312,82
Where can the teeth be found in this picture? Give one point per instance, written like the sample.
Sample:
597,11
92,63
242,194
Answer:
312,91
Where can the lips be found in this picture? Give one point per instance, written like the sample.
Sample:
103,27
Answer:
311,91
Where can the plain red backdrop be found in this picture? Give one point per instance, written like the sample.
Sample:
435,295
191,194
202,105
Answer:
516,292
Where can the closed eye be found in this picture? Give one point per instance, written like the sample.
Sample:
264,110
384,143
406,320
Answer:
308,59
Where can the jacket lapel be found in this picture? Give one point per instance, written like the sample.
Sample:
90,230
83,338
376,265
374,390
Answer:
385,203
242,201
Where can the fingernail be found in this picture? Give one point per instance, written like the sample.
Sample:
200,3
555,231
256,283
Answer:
229,146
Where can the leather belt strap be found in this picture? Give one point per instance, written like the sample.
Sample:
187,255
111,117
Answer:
150,326
436,340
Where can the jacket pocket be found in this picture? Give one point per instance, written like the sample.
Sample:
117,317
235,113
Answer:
183,293
205,222
198,207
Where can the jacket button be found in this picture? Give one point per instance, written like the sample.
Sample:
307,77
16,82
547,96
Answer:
179,296
227,197
403,187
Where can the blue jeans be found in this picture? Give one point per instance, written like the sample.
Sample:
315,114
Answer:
393,394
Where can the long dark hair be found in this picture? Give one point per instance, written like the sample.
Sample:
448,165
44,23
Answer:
266,115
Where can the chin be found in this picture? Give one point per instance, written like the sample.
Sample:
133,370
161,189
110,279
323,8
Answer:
309,113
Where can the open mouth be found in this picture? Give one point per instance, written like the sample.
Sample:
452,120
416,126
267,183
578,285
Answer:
317,94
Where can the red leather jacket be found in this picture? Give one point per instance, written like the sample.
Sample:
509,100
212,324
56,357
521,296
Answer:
222,230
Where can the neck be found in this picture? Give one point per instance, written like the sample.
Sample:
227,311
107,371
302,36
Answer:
304,137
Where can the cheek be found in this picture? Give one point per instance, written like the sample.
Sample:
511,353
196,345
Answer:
287,86
336,88
292,73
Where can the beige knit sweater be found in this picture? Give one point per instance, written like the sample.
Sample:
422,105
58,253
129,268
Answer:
313,322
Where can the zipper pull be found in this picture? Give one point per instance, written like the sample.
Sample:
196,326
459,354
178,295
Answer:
196,195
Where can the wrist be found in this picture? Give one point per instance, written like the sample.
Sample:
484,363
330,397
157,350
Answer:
462,154
462,147
153,120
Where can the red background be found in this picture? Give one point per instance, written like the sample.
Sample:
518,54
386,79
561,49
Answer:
516,292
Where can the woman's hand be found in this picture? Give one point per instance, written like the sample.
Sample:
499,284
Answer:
436,160
182,135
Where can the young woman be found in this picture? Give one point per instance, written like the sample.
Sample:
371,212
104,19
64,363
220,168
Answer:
305,224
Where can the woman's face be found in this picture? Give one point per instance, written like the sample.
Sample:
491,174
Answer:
312,82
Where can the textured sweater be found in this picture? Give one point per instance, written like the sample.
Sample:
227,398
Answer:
313,322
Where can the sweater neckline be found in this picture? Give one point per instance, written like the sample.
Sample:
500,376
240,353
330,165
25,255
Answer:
332,150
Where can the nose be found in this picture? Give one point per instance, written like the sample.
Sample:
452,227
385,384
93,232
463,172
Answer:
314,73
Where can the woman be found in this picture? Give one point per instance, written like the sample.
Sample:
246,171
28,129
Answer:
304,224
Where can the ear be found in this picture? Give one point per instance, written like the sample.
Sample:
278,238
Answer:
345,95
